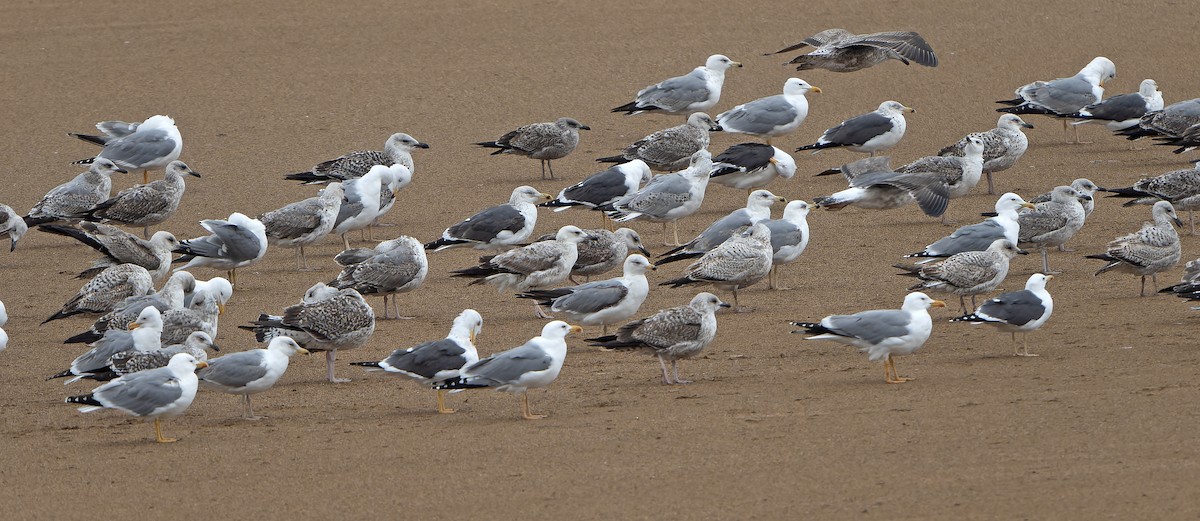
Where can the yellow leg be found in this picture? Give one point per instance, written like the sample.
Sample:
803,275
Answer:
525,408
894,376
1025,346
158,433
441,400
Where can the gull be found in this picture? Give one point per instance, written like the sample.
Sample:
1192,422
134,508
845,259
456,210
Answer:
1052,223
1002,146
1170,122
839,50
969,273
111,130
750,166
11,225
397,266
870,132
202,314
1153,249
76,196
602,187
302,223
739,262
667,198
603,250
121,247
771,116
697,91
1123,110
153,144
881,333
360,202
120,364
603,302
434,362
537,265
671,334
218,286
172,295
267,327
144,336
1187,141
396,150
343,321
108,289
1017,311
250,372
979,236
1180,187
1063,96
789,238
542,141
496,227
534,364
671,148
1189,283
959,173
154,394
145,205
874,186
1082,185
396,178
758,208
237,242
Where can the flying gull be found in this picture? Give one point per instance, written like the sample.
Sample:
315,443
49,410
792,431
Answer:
603,302
434,362
496,227
671,148
671,334
667,198
1153,249
1063,96
874,186
739,262
839,50
771,116
697,91
1017,311
154,144
236,242
534,364
1002,146
542,141
145,205
969,273
80,194
758,208
396,150
881,333
154,394
870,132
959,173
750,166
397,266
250,372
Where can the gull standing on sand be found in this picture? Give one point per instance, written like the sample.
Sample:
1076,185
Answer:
1123,110
789,238
542,141
1153,249
671,334
537,265
153,144
979,236
237,242
397,150
1017,311
431,363
143,336
303,222
397,266
343,321
758,208
121,247
667,198
267,327
1180,187
602,187
969,273
120,364
749,166
696,91
80,194
604,302
875,186
1052,223
11,225
670,149
250,372
145,205
1063,96
1082,185
534,364
839,50
496,227
603,250
739,262
107,290
155,394
881,333
771,116
1002,146
870,132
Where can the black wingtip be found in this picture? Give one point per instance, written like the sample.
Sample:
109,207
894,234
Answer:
84,399
365,364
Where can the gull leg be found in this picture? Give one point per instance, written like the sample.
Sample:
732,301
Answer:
330,358
232,277
538,311
550,166
1153,283
396,310
1143,292
145,177
872,154
249,412
675,368
345,242
896,378
675,231
666,376
385,307
603,329
962,305
525,408
991,188
158,433
1063,248
974,306
768,140
146,232
1192,221
441,403
1024,345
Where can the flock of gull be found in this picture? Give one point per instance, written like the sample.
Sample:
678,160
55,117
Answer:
154,322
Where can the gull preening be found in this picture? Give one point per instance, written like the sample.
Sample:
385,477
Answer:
154,394
236,242
671,148
250,372
870,132
749,166
772,116
839,50
670,334
496,227
696,91
149,145
1153,249
542,141
12,226
881,333
1017,311
396,150
1002,146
